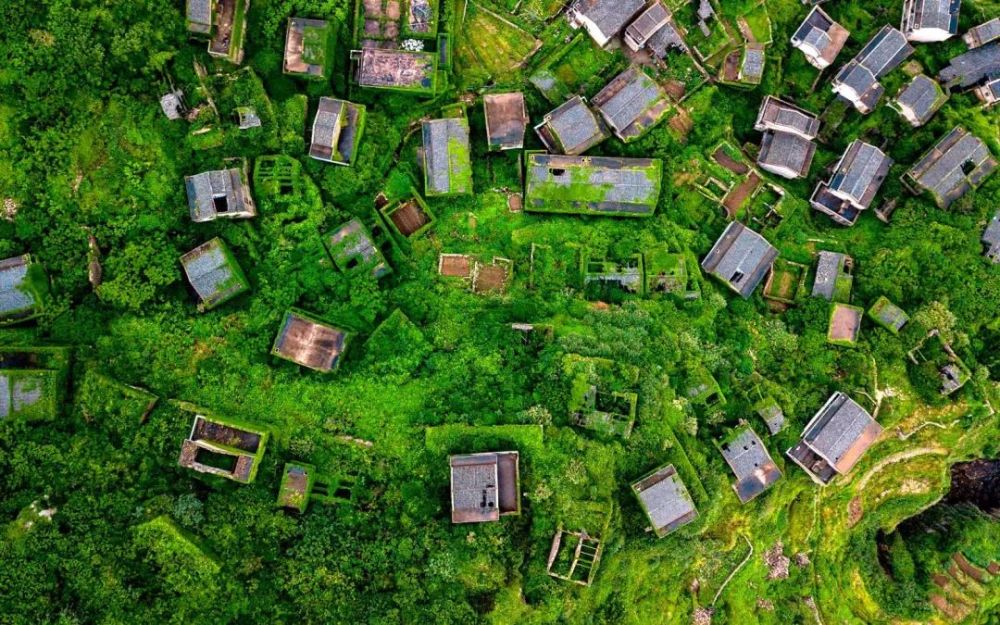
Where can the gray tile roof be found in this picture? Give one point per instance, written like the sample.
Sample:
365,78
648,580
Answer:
631,99
665,499
21,391
773,417
991,238
447,166
573,126
820,38
352,240
776,114
741,258
326,128
199,15
212,274
751,463
786,154
935,14
983,34
860,173
474,488
921,97
609,16
14,297
648,23
595,185
857,78
752,69
841,432
217,193
972,67
959,162
828,268
886,50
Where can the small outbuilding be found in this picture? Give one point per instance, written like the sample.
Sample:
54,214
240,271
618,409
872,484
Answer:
740,258
309,342
352,248
214,274
845,324
336,131
991,238
888,315
750,462
665,500
833,281
506,120
485,486
222,193
572,128
835,439
224,448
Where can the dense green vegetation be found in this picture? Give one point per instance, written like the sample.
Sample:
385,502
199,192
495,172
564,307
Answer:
86,154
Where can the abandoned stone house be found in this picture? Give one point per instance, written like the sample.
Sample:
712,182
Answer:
628,187
780,116
958,163
953,377
888,315
213,273
820,38
833,279
404,70
306,42
310,342
31,379
506,120
572,128
172,104
991,238
223,448
18,300
930,20
972,69
655,31
740,258
485,486
199,16
773,416
751,463
858,81
919,100
989,91
351,247
856,179
845,324
787,148
222,193
665,500
603,19
247,118
982,34
336,131
222,22
446,161
631,103
835,439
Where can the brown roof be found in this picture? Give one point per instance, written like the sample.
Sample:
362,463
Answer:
455,265
309,343
506,119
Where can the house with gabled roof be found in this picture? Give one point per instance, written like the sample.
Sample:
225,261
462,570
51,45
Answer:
858,81
665,500
20,296
214,274
485,486
310,342
352,248
631,104
199,16
856,179
336,131
786,154
506,120
447,165
781,116
646,25
888,315
224,448
308,46
989,91
835,439
750,462
221,193
820,38
958,163
596,185
603,19
833,280
572,128
740,258
973,68
984,33
991,238
930,20
919,100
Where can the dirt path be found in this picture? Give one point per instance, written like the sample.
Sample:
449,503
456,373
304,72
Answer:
735,571
898,457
